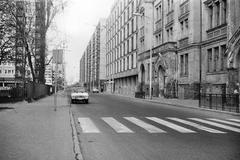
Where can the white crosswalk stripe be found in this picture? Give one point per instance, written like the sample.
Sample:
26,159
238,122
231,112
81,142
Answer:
117,126
217,125
226,122
144,125
198,126
171,125
235,120
87,125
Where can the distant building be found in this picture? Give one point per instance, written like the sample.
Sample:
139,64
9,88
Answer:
49,75
92,63
29,14
7,74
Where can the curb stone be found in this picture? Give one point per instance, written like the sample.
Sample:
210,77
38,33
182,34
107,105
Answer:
76,148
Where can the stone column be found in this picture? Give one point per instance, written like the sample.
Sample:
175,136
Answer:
220,12
214,17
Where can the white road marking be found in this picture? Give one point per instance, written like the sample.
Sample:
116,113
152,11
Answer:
235,120
117,126
226,122
144,125
87,125
198,126
171,125
216,124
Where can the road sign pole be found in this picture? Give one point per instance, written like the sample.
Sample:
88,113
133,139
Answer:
55,95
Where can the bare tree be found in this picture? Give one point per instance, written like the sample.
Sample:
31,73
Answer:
7,32
29,30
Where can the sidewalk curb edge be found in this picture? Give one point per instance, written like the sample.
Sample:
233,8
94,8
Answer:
76,146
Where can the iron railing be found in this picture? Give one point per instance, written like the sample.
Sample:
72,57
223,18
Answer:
28,93
225,102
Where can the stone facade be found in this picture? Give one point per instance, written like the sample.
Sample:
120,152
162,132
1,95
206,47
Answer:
193,47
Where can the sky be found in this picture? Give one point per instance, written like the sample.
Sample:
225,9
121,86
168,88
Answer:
75,25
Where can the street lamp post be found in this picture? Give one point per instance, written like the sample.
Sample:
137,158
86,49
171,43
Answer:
150,58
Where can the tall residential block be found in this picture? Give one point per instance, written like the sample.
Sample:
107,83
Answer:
92,63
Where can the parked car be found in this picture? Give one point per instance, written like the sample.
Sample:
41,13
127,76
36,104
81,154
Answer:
79,95
95,90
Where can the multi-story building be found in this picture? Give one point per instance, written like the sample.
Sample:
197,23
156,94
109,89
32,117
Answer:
49,75
42,9
92,63
173,48
233,45
121,44
188,47
7,72
30,19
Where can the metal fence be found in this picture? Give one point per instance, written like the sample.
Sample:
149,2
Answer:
29,92
225,102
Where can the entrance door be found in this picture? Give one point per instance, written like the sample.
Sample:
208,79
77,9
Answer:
161,80
143,74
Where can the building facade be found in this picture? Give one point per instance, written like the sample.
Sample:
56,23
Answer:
173,48
121,44
92,63
30,18
188,43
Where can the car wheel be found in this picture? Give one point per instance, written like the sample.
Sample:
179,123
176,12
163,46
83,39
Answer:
86,101
71,101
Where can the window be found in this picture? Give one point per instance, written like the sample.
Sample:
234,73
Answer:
148,70
132,43
127,62
224,12
158,12
184,64
182,26
132,61
168,34
216,58
209,51
217,14
158,39
211,17
186,23
223,58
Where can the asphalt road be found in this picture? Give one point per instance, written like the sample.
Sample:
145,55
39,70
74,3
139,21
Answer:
117,128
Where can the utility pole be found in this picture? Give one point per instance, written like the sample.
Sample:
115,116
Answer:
57,59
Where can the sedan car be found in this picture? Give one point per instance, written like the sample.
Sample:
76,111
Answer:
79,95
95,90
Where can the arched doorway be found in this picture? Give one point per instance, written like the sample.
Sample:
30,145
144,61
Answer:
161,80
142,69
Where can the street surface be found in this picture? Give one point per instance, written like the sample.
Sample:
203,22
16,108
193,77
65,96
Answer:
118,128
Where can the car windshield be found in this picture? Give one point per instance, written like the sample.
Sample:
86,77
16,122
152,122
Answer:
79,90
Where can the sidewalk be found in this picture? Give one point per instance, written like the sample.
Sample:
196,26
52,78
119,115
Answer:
35,131
174,102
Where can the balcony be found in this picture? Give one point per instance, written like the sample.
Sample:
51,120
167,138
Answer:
217,31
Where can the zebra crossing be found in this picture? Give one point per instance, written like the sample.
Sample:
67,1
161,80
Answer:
211,125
